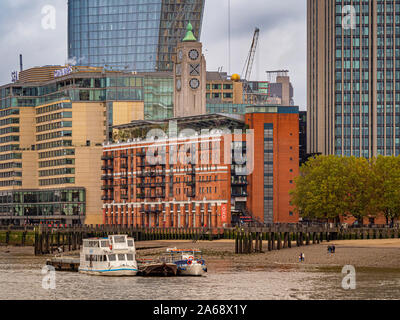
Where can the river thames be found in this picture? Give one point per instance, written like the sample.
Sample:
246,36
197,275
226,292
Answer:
21,279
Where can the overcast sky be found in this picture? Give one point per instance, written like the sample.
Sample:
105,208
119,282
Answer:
282,43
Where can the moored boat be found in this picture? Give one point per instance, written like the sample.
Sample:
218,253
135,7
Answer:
112,256
189,262
156,268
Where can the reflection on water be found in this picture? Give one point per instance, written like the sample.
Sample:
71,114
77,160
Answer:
21,278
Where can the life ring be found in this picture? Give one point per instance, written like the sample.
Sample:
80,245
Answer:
189,262
110,246
191,258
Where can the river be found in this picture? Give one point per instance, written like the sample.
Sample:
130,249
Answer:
21,278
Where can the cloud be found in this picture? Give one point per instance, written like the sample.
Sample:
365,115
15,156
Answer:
282,43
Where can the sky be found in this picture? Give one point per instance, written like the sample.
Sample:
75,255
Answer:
282,43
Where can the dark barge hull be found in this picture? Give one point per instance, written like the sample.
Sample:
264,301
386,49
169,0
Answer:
157,270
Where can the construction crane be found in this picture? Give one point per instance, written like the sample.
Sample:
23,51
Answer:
250,58
248,66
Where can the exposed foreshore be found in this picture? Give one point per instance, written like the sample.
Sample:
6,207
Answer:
381,254
359,253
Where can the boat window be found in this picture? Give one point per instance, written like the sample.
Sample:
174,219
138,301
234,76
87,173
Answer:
129,257
119,239
112,257
104,258
121,257
130,243
104,244
93,244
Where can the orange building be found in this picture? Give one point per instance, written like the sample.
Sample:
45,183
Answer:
201,172
276,162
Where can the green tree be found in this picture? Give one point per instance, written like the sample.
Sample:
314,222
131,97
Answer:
358,187
319,191
386,183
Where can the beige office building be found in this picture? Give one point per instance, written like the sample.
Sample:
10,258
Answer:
53,123
353,77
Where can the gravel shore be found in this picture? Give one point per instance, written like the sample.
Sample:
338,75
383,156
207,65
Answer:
359,253
382,254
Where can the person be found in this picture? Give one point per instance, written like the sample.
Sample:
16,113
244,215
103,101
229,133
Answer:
333,249
329,249
302,257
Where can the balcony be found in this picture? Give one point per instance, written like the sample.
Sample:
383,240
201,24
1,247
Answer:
107,177
239,194
239,183
124,196
107,198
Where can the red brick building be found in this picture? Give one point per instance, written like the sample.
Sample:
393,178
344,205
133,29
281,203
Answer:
200,172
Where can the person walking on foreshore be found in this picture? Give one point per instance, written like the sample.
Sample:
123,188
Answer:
302,257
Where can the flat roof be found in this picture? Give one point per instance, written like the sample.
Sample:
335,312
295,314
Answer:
195,122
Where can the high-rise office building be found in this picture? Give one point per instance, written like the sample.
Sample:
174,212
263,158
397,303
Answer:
354,77
53,122
135,35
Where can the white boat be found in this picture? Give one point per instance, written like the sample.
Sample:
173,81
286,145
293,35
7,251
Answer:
112,256
190,262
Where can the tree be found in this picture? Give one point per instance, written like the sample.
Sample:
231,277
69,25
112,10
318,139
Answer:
386,182
320,191
358,186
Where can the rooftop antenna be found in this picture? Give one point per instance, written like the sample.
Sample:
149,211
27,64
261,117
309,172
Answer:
21,66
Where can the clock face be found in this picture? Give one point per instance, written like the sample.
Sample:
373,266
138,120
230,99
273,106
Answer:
194,83
180,55
178,84
194,54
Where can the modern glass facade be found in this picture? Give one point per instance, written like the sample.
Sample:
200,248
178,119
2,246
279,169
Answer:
158,97
33,206
352,82
135,35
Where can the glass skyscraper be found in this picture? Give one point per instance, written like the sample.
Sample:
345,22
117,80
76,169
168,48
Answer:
354,77
134,35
